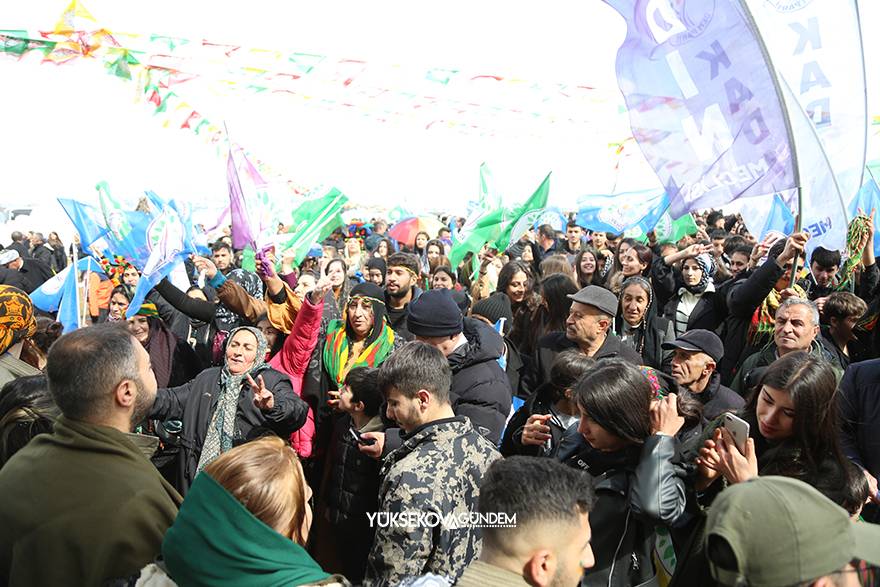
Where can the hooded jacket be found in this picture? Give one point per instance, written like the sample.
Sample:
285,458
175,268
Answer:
437,472
480,387
194,404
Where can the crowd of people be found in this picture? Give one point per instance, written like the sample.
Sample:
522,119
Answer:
578,409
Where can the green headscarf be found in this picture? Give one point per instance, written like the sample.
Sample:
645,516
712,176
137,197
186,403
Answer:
216,541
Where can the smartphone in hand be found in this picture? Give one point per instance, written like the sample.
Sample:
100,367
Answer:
739,429
360,438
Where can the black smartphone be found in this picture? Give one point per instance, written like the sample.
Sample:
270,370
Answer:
360,438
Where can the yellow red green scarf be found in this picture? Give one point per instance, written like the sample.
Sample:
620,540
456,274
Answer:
337,347
764,317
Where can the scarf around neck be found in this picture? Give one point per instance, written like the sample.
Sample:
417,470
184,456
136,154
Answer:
765,315
221,429
217,541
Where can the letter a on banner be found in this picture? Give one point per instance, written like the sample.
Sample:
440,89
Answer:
704,103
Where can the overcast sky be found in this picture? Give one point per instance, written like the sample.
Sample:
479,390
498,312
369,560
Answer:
67,127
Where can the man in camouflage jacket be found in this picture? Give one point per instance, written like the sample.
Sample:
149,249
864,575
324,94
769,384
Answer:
430,485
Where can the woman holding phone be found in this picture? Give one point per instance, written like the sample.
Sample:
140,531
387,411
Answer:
793,429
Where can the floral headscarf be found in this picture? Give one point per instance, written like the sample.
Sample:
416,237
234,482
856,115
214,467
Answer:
16,317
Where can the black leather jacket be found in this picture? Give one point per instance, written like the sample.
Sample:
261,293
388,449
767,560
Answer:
637,489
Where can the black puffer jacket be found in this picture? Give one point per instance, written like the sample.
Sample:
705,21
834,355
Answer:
194,404
480,388
637,489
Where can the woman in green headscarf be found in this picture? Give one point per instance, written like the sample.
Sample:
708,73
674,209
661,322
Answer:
245,523
226,406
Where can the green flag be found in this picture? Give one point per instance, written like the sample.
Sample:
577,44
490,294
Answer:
313,221
481,227
519,220
671,230
498,226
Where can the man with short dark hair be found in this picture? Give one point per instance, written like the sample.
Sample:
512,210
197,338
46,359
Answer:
225,319
549,543
573,235
775,531
739,260
820,281
840,313
696,354
24,249
547,241
588,328
84,505
435,474
42,251
401,277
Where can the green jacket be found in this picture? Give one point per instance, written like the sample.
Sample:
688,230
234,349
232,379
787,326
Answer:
81,506
767,355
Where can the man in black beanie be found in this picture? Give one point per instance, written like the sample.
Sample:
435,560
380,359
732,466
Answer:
480,388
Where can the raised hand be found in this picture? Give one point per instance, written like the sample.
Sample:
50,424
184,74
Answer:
321,289
206,265
263,398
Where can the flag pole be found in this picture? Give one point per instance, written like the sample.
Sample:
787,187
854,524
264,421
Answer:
86,283
76,301
797,229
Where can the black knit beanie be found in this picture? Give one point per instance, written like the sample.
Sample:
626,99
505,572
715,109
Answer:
433,314
495,307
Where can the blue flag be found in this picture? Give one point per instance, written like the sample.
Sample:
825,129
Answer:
868,199
620,213
85,219
780,220
167,238
59,293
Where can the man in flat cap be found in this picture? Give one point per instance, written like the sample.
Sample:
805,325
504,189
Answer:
587,329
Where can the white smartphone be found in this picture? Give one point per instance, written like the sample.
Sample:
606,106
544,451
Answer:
739,429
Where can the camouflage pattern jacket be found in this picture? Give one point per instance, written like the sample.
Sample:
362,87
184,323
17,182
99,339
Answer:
433,477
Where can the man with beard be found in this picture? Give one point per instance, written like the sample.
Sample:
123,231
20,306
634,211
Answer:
401,289
84,505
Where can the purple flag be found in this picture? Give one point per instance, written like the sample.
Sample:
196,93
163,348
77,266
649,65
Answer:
704,104
242,231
